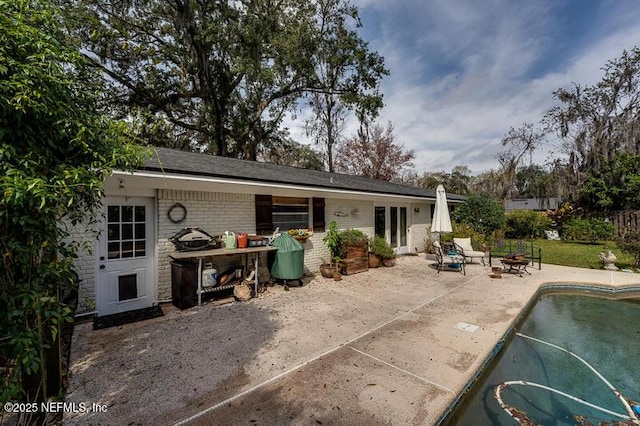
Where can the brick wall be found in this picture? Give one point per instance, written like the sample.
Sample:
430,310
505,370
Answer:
213,212
85,266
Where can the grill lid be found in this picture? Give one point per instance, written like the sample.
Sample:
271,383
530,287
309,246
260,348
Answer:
191,239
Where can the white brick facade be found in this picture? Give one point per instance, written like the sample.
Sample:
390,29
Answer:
217,212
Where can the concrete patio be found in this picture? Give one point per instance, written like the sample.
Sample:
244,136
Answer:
379,347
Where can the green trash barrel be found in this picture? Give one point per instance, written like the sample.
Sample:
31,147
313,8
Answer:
289,259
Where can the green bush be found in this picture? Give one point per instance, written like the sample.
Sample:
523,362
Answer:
589,229
352,237
481,213
526,224
379,247
630,244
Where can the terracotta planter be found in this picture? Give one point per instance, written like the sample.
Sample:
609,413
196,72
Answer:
327,270
374,261
388,262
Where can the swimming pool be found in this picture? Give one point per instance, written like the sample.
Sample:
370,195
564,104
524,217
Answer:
564,353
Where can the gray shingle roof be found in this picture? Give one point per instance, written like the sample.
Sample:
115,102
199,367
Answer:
197,164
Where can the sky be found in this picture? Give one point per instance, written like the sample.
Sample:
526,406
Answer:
463,72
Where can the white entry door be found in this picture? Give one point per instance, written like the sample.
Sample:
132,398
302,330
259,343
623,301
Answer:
399,228
391,222
125,277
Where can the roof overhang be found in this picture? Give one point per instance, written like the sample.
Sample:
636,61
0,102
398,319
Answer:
144,180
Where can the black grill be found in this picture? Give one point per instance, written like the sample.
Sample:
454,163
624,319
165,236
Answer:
192,239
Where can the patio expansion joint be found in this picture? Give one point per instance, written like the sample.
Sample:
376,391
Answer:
327,352
395,367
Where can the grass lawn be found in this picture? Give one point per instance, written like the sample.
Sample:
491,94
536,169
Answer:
579,254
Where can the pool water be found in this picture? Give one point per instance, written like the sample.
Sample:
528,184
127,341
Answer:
603,332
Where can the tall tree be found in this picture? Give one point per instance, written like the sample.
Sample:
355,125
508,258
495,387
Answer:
456,182
210,75
55,151
597,121
349,73
287,152
518,142
533,181
374,154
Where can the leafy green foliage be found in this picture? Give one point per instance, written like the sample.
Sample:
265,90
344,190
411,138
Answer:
630,244
380,247
596,122
526,224
615,186
589,229
332,240
55,151
221,76
481,213
464,230
533,181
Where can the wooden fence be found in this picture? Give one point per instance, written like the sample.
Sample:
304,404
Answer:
625,221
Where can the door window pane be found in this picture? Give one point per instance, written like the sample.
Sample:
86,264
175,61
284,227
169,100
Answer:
380,221
113,250
127,249
140,213
113,214
140,249
127,213
127,231
140,230
394,225
403,226
113,231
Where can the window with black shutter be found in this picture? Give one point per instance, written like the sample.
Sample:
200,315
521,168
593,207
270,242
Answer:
287,213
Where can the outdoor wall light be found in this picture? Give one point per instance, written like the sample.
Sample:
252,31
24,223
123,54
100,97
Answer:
416,210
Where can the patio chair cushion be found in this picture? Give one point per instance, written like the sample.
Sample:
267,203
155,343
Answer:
468,250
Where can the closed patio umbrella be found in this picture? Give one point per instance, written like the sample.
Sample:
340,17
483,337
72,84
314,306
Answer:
441,222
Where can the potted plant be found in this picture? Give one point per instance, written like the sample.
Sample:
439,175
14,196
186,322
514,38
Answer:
381,252
332,240
301,234
354,251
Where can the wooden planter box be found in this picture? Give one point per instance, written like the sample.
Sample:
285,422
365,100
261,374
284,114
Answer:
355,259
353,266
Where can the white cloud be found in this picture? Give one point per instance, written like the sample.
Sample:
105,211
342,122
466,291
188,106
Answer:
463,72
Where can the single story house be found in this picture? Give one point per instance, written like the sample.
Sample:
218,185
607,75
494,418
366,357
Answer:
130,265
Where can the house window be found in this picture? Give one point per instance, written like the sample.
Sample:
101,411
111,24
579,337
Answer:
288,213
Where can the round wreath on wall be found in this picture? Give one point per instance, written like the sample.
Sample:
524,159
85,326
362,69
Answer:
177,213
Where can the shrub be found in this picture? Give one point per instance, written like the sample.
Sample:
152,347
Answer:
589,229
379,247
352,237
332,240
481,213
526,224
630,244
